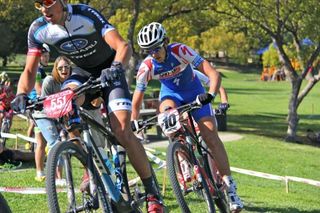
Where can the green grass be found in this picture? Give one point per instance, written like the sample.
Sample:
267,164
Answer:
258,112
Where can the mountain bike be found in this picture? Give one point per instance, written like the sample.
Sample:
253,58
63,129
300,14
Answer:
108,189
191,167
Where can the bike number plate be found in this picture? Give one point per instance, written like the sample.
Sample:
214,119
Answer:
59,104
169,122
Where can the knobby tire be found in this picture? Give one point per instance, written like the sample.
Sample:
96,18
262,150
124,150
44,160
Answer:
173,166
70,152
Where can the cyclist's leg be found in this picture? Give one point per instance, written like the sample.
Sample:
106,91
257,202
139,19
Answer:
209,133
119,107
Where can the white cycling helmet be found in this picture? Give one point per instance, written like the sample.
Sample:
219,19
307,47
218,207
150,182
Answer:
151,35
45,48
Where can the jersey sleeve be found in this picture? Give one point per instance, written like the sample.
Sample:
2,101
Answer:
187,54
34,46
144,75
100,23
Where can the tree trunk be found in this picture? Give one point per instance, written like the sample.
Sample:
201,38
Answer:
134,59
132,69
293,118
5,61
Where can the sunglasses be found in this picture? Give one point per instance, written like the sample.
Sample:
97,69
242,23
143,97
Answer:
45,3
154,50
66,67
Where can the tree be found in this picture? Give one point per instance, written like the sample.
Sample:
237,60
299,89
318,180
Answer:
183,21
15,18
286,22
235,45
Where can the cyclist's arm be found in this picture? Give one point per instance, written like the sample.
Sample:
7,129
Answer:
223,95
213,75
28,76
204,79
136,103
122,48
142,78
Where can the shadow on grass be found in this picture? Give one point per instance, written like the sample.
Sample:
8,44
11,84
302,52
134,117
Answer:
273,125
254,90
270,125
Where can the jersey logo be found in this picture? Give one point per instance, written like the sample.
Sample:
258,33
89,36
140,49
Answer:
185,49
73,45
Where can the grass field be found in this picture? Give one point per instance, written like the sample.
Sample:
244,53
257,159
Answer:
258,112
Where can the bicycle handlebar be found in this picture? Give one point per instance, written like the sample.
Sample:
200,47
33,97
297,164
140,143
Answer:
147,124
90,84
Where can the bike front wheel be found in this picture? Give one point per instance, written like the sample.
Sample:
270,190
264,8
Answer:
68,160
187,180
220,189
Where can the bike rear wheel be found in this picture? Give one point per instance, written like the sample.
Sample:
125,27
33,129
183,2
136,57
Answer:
66,198
191,192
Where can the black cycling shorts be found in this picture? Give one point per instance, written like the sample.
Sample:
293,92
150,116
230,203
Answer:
116,97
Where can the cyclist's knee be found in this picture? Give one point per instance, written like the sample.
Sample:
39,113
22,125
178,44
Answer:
124,136
211,137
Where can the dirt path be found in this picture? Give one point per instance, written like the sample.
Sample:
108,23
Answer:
225,137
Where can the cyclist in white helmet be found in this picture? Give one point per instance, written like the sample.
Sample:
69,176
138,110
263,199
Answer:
172,64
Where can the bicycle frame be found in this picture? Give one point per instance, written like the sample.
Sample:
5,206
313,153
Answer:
102,163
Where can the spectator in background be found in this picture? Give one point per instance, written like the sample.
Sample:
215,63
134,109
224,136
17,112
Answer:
32,130
6,96
14,157
4,79
49,127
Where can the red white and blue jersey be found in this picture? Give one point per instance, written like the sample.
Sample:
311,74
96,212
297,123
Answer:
81,39
175,73
177,76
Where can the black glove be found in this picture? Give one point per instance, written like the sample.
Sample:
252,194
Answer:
19,103
223,107
204,98
112,74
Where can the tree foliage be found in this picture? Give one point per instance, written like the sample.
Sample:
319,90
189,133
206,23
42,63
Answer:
286,23
15,18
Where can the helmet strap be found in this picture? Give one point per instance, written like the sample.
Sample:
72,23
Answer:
64,5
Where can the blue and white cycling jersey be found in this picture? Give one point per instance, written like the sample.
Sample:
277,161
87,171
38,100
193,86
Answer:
80,39
176,74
